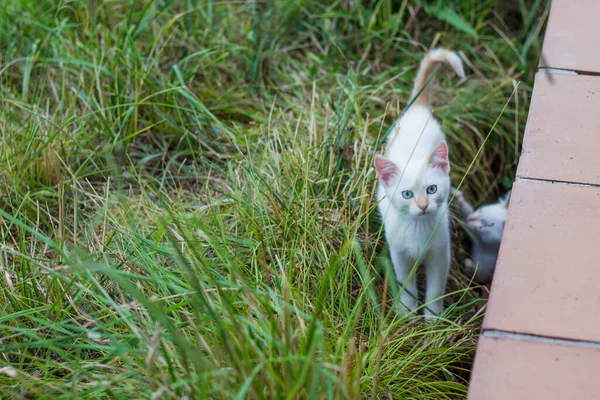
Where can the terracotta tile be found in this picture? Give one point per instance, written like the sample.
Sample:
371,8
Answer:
562,136
571,40
515,369
547,279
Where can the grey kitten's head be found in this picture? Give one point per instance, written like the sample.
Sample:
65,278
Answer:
487,222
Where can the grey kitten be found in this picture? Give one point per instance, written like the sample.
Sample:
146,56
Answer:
484,226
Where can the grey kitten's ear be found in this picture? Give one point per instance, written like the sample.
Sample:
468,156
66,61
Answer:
506,199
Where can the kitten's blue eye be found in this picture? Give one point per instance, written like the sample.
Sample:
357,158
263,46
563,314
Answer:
407,194
432,189
483,222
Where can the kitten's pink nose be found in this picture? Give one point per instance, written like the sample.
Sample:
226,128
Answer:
422,206
472,218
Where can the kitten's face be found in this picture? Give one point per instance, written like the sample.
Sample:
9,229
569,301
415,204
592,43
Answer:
487,222
421,188
420,192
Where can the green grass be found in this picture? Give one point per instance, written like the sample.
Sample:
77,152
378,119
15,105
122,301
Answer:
187,193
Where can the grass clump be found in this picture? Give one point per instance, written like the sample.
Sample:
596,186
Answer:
187,193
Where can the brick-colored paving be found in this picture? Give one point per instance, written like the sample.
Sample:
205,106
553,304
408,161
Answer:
517,368
548,278
563,129
571,40
541,333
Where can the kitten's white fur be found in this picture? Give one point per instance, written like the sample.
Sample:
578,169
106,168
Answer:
485,225
417,158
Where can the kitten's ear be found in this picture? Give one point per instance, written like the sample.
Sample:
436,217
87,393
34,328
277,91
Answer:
386,169
507,198
439,157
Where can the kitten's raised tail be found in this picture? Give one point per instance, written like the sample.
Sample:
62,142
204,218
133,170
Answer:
428,64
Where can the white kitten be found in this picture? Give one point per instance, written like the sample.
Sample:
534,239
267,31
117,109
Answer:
485,227
413,192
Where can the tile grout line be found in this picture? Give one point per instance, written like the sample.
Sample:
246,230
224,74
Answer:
557,71
542,181
499,334
566,71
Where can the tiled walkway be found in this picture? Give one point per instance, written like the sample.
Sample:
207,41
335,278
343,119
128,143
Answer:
541,333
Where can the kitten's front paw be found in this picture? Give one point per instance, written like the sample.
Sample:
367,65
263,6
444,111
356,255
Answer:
430,318
407,305
432,314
